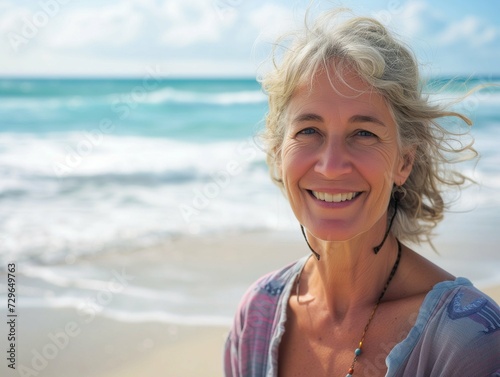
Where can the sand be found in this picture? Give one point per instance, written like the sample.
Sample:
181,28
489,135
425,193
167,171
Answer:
106,347
493,292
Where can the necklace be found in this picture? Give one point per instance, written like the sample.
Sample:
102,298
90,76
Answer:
358,351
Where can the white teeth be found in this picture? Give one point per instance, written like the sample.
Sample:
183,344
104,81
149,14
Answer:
335,198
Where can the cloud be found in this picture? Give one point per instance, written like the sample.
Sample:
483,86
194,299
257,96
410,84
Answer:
191,22
419,19
409,18
120,36
413,17
11,18
271,21
113,25
470,29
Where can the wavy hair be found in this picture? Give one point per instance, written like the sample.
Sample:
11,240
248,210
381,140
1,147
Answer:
364,45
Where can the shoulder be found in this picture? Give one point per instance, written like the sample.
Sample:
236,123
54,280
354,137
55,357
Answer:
461,306
266,292
473,316
248,341
458,330
468,332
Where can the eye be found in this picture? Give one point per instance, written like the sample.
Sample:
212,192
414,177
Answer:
364,133
307,131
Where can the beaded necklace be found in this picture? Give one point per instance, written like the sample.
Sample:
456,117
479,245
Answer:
358,351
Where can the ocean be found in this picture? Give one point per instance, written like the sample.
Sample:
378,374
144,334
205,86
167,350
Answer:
89,165
96,166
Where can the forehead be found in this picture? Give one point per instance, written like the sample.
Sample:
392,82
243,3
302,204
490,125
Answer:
344,89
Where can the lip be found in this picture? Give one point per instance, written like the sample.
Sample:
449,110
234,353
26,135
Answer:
326,204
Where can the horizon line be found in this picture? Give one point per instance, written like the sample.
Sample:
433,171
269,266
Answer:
211,77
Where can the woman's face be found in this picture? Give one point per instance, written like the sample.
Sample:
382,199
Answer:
340,158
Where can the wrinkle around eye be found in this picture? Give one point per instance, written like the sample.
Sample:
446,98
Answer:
364,137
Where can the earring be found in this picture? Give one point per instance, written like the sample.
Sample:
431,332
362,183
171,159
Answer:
399,193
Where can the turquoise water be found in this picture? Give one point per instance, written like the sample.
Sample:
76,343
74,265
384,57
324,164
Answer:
203,110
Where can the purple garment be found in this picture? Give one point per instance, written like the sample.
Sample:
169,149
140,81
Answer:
456,332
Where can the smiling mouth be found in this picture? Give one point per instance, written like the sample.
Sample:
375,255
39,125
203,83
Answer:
334,198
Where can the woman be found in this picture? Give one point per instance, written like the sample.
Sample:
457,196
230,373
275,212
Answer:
358,151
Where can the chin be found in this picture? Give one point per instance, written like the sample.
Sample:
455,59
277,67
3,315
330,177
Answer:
333,231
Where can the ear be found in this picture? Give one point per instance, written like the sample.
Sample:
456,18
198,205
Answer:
405,166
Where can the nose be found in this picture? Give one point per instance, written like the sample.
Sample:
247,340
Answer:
333,160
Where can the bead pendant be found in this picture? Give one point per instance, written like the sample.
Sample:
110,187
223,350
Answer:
358,351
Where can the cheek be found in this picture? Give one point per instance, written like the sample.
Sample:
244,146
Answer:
292,171
293,164
379,166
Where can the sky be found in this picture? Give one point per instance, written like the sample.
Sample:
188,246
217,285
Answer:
223,38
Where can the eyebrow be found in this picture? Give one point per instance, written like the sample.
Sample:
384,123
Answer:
365,119
311,117
308,117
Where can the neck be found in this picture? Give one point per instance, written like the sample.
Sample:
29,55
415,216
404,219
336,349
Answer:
350,275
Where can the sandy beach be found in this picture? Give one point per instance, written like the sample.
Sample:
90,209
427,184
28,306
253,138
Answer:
493,292
109,348
61,342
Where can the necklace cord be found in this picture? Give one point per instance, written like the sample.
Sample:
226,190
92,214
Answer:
307,242
377,248
358,351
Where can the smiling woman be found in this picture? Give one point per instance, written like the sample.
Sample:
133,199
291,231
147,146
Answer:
360,155
340,145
